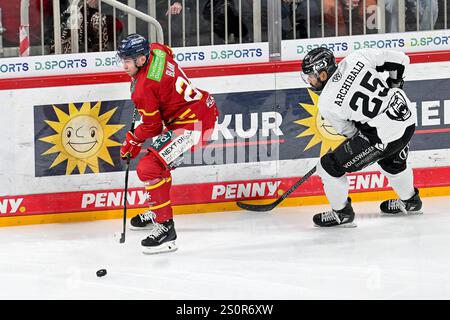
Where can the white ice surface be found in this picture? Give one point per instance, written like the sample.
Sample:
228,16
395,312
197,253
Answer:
236,255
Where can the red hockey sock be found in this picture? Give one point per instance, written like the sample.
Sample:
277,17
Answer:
159,199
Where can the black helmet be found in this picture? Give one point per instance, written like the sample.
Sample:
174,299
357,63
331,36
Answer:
316,61
132,46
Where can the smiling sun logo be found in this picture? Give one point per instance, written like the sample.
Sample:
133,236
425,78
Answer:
320,129
82,136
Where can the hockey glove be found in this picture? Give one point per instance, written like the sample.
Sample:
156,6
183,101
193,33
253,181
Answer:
131,146
393,83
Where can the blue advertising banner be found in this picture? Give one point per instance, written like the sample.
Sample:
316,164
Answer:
85,137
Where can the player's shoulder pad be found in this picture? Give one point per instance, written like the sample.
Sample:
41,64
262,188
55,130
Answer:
162,47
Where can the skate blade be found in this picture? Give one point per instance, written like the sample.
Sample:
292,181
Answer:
146,228
401,214
344,225
165,247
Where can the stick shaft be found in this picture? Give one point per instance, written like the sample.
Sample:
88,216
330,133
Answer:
127,171
270,206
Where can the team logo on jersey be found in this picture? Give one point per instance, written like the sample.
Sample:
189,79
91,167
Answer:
398,108
336,77
317,127
380,146
81,137
404,153
210,101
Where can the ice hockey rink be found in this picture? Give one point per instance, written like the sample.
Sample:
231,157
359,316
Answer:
237,255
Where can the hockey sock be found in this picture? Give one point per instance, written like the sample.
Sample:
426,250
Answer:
159,199
336,189
402,183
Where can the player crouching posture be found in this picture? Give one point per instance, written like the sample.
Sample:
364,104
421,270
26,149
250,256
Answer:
172,109
376,117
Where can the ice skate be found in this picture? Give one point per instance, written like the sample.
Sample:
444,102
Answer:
143,221
397,206
161,239
336,218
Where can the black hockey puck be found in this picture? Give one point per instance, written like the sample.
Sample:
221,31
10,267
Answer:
101,273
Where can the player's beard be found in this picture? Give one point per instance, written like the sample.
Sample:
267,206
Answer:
320,86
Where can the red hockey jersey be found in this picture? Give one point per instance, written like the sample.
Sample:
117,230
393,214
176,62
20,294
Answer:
164,96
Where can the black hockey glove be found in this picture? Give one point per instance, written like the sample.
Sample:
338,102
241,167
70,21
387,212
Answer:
393,83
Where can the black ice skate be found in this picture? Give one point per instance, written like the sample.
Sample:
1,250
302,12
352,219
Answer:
336,218
161,239
397,206
143,221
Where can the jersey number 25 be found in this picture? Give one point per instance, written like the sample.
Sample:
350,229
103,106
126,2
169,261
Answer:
360,99
184,87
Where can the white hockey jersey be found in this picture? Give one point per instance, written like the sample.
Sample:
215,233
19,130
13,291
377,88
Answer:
358,98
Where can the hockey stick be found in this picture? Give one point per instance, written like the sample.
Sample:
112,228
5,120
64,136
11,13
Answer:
127,170
270,206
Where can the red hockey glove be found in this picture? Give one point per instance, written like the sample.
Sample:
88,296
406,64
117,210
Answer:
131,146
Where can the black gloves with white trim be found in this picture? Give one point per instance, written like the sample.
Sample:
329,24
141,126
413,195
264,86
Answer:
394,83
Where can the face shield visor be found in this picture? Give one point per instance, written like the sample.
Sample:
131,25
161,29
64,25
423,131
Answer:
122,59
312,80
311,74
309,78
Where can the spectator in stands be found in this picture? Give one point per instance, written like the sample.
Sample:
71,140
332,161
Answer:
175,8
344,7
428,14
300,7
96,25
173,11
232,18
11,21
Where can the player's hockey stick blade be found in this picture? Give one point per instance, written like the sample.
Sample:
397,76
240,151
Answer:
270,206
